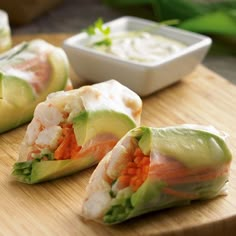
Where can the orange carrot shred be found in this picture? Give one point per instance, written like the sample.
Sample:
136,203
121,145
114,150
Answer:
67,144
137,170
179,194
131,171
69,149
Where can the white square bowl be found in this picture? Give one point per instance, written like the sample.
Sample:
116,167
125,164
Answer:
144,79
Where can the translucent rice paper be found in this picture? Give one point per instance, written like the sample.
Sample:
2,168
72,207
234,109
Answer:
5,32
97,117
187,163
28,73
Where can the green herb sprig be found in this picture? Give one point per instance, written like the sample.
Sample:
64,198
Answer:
105,31
98,26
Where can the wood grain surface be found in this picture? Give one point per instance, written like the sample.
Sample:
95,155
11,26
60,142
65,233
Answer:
53,208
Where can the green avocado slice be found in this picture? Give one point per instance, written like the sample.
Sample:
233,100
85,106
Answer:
17,98
89,124
32,172
13,88
14,93
195,148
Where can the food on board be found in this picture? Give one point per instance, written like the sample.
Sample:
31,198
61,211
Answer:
73,130
28,73
5,32
155,168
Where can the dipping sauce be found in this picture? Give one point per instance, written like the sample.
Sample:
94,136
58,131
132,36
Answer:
140,47
5,32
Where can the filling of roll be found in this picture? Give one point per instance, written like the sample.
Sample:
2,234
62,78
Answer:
74,130
137,179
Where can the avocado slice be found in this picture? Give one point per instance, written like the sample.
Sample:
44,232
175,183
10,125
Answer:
13,88
17,98
186,145
145,140
32,172
89,124
14,93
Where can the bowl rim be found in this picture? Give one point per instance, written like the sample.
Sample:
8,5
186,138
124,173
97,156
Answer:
203,41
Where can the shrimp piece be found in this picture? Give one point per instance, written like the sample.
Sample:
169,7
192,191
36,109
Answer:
120,156
68,102
44,130
97,205
48,138
32,132
98,189
48,115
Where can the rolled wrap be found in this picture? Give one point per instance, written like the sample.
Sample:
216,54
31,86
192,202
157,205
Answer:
28,73
5,32
155,168
73,130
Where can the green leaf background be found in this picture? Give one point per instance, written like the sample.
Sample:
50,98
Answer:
213,17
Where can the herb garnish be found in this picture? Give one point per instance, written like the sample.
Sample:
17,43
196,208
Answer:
98,27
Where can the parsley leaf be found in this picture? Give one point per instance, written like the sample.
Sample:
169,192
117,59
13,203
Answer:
105,42
98,27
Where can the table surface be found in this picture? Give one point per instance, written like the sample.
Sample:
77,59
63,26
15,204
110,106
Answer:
52,208
74,15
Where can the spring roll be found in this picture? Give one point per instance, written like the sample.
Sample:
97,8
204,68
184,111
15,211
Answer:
155,168
5,32
73,130
28,73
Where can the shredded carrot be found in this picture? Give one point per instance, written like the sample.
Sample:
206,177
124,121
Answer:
69,149
99,149
136,171
138,152
131,171
169,170
201,176
125,180
179,194
68,145
173,172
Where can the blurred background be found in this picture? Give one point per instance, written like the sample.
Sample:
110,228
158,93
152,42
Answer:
216,18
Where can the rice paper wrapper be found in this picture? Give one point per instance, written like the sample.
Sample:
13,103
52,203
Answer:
28,73
187,163
5,32
86,122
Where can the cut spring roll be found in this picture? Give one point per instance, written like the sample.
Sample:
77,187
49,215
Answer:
28,73
155,168
74,130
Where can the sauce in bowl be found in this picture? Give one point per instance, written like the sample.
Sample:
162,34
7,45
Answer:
141,47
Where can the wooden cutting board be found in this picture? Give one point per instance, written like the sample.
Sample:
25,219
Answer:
52,208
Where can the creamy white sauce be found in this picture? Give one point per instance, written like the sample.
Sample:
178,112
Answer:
141,47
